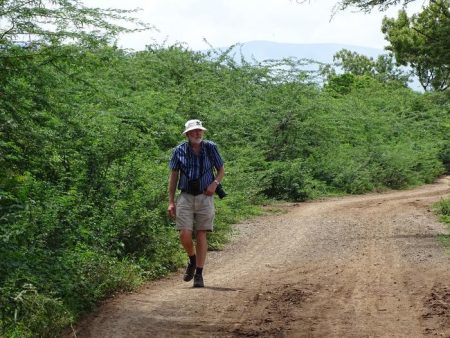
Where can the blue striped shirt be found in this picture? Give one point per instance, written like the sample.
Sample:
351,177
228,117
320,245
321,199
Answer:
189,164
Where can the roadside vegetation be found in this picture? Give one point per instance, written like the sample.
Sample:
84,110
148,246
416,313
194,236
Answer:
443,209
86,131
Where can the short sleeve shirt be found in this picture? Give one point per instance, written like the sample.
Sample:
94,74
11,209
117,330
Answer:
193,167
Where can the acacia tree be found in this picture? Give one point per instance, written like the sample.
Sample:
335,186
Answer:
45,21
36,34
383,68
423,42
368,5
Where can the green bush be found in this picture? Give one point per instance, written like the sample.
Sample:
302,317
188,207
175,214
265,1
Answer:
86,138
37,315
443,210
292,181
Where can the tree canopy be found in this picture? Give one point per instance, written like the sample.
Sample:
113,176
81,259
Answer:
383,68
55,21
423,42
369,5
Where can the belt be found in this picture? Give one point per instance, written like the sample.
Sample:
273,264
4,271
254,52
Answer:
193,194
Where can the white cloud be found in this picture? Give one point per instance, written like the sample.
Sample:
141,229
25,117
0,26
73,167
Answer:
225,22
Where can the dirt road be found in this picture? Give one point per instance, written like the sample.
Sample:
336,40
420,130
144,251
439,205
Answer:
359,266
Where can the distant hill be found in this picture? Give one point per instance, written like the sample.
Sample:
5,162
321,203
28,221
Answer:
321,52
264,50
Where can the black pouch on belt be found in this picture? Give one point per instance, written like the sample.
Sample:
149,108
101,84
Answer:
194,187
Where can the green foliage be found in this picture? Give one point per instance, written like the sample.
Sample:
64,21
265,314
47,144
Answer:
340,84
97,275
442,208
86,134
50,22
32,309
422,41
353,64
368,5
292,181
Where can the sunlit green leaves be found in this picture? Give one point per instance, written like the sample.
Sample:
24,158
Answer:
52,22
422,41
87,135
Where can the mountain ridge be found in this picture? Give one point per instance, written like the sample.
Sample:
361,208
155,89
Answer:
261,50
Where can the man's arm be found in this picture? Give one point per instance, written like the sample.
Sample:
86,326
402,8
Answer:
220,174
173,180
212,187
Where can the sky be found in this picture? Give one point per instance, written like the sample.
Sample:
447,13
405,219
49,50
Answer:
223,23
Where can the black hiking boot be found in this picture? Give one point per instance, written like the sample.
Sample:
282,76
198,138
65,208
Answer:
189,274
198,281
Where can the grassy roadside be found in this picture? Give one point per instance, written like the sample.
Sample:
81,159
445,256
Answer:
443,210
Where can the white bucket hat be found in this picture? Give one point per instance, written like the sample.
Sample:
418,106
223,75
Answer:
193,124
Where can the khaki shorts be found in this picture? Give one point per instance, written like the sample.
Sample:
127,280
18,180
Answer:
198,210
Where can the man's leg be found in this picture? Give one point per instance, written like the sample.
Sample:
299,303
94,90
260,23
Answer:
185,221
186,241
188,245
201,247
204,217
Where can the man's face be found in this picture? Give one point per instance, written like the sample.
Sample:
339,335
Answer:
195,136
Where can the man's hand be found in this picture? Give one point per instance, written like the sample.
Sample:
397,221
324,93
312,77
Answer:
173,179
171,211
211,189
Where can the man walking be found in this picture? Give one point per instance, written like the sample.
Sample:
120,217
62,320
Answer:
191,166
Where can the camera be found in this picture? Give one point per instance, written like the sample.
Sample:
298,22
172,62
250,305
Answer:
194,189
220,192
